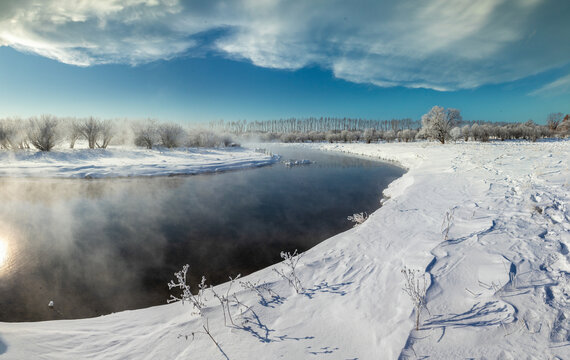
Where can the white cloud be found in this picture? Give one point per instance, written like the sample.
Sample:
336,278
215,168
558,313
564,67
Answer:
560,86
438,44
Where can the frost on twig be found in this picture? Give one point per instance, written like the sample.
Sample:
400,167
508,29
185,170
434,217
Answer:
358,218
416,286
225,300
289,274
186,295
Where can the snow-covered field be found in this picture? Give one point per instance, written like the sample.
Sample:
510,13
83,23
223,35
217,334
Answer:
500,283
127,161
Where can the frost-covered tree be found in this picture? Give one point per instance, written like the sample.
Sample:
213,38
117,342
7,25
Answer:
389,135
44,132
332,136
370,135
455,133
406,135
438,122
465,132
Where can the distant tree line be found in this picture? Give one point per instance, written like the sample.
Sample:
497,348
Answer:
47,131
312,124
438,124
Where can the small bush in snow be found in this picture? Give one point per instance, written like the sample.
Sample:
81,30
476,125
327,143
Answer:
416,286
358,218
289,274
73,131
12,134
106,133
206,138
186,295
90,129
44,133
225,300
146,133
171,135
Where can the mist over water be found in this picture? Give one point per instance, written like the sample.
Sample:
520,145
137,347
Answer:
101,246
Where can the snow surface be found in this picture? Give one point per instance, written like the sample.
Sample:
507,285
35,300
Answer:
500,284
127,161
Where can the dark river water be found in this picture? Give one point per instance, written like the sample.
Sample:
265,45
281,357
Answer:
99,246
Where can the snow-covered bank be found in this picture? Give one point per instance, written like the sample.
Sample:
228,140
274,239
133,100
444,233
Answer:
500,284
124,161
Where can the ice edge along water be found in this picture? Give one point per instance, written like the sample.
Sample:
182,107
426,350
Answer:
499,275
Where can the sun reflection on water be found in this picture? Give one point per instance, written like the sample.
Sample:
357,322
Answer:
3,253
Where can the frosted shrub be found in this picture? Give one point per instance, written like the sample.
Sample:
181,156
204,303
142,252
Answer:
90,129
455,133
72,131
196,300
11,134
146,133
370,135
389,135
106,133
408,135
289,274
44,133
225,299
416,286
358,218
206,138
171,135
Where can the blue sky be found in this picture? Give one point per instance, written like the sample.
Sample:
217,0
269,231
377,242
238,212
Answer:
265,59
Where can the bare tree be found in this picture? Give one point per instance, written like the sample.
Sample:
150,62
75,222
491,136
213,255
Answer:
106,133
43,133
171,135
146,133
73,131
553,120
438,122
90,129
8,132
